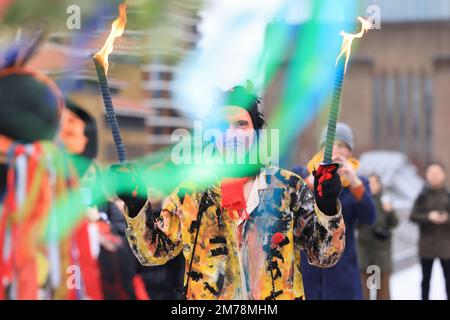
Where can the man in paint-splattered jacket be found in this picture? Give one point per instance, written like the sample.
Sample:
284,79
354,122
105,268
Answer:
248,249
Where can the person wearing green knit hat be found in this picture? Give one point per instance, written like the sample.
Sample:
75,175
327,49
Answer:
31,106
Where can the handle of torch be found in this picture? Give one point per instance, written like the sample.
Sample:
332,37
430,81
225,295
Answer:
334,111
109,110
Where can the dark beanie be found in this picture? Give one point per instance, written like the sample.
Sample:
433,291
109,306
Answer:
244,98
30,105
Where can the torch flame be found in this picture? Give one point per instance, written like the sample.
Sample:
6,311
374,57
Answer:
117,28
346,47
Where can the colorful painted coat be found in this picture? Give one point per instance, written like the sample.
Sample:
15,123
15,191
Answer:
258,258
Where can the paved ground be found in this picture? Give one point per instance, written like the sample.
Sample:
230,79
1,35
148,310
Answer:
406,279
405,284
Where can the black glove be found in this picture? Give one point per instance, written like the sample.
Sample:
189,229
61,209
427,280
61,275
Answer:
327,187
130,187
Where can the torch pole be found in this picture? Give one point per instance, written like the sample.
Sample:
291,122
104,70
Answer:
334,110
109,109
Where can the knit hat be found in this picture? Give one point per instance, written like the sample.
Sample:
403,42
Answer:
343,133
244,97
30,105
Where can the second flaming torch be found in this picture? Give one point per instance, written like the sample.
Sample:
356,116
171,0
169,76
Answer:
341,67
101,67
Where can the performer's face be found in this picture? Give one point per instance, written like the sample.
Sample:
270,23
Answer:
237,130
435,176
72,133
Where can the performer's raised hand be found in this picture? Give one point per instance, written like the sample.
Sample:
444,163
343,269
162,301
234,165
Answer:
130,187
327,187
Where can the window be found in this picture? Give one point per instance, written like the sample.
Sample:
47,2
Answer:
158,130
164,75
129,122
390,100
132,150
402,110
403,114
428,116
163,93
146,76
415,107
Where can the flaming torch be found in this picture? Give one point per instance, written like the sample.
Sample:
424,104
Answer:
101,67
341,67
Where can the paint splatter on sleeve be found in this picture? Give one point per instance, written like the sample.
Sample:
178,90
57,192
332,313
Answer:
321,236
155,240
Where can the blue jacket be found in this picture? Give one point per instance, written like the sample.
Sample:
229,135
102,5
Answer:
342,281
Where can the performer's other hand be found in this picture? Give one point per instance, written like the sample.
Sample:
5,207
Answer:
327,187
130,187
